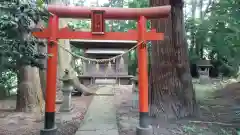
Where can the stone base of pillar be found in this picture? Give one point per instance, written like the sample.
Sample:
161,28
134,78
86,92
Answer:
144,131
204,79
52,131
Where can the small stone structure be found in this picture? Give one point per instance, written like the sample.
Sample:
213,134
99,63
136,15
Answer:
135,90
203,70
67,89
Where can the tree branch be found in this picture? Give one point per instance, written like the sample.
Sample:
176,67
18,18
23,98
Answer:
210,3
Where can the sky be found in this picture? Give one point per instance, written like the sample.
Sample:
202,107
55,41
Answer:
88,2
101,2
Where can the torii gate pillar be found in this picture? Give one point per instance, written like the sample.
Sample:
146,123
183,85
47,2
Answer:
98,15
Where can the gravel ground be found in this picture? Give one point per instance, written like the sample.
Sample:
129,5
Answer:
127,117
19,123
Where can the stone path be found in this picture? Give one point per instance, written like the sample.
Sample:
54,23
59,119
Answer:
100,118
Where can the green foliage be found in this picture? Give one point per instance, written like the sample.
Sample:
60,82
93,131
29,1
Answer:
217,33
8,80
17,46
77,66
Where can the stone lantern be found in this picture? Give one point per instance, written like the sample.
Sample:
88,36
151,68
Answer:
67,89
203,67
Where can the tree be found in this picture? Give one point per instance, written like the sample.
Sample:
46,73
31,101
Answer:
215,34
193,44
19,51
171,89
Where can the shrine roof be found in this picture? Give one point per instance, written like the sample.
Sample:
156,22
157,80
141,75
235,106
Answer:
103,43
104,51
204,63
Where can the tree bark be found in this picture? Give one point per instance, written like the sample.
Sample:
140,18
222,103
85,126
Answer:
171,90
29,96
193,30
42,72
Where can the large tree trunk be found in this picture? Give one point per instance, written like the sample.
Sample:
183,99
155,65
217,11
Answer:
193,30
29,96
171,90
42,72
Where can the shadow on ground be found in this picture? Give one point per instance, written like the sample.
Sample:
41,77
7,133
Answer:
20,123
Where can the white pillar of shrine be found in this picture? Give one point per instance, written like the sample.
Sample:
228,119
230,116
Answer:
84,62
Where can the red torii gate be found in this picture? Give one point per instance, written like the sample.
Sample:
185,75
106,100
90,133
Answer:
98,16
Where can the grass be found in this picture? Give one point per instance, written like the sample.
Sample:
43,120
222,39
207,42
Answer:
197,129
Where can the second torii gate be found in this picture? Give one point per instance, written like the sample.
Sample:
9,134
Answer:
98,16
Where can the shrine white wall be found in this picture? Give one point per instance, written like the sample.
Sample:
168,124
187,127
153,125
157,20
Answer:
116,68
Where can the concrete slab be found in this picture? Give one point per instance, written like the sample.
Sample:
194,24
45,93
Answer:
99,132
101,115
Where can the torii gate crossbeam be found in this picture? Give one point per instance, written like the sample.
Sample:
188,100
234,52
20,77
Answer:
110,13
98,16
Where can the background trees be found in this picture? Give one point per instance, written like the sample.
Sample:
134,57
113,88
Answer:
211,27
213,34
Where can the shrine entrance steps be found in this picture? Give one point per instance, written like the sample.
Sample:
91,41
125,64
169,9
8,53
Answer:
100,118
